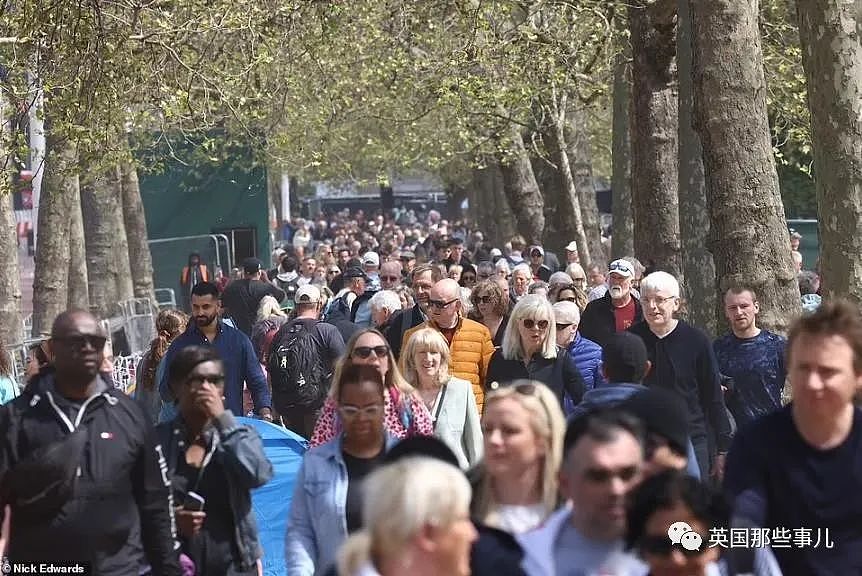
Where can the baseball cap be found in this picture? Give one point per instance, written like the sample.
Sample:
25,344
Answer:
622,267
624,356
572,246
496,252
371,259
408,255
538,249
662,413
354,272
252,265
566,313
307,294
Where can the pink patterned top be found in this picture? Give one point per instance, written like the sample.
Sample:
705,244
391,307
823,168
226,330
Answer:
329,426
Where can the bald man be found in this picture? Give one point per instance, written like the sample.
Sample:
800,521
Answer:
80,466
469,341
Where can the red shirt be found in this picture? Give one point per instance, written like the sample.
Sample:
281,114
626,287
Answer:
624,316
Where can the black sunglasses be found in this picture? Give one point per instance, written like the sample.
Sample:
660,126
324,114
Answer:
486,299
561,327
97,342
439,304
530,324
365,351
662,546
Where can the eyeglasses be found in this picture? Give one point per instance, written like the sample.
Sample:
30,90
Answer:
561,327
334,271
649,302
569,299
365,351
531,324
662,546
390,278
439,304
198,381
485,299
97,342
579,279
349,412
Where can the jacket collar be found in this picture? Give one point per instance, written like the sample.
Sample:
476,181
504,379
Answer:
332,450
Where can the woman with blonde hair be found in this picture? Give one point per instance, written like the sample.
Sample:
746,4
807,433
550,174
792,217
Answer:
450,400
579,277
270,317
169,325
530,352
417,522
523,427
406,415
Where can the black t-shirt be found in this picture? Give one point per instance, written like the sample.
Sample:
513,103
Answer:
357,470
242,297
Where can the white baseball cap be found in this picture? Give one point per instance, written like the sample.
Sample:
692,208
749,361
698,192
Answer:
371,259
307,294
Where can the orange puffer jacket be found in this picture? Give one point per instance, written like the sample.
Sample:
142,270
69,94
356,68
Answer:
471,349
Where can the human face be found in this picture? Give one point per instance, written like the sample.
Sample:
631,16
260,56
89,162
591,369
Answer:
512,446
675,563
390,276
371,340
536,257
205,377
579,281
658,307
520,282
572,257
597,477
380,316
597,278
422,285
343,257
452,544
308,267
446,307
565,333
78,347
619,286
427,363
468,279
566,295
456,252
361,407
533,331
794,243
487,304
741,310
204,309
503,273
822,375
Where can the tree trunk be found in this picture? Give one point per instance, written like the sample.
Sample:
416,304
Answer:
522,191
135,223
655,126
51,275
79,291
11,332
99,203
832,57
699,269
125,284
751,241
581,160
623,234
548,178
492,209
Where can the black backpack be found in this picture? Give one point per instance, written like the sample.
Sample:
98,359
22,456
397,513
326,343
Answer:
297,373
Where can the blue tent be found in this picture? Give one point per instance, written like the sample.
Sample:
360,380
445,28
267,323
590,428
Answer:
271,502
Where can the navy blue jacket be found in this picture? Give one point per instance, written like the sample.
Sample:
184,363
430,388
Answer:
240,364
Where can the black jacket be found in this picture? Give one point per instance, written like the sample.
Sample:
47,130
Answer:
560,374
597,321
117,517
401,322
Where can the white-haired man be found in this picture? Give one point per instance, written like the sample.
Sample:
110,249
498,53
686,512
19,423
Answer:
383,305
683,362
617,310
522,277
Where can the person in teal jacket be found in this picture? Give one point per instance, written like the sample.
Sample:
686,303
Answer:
8,386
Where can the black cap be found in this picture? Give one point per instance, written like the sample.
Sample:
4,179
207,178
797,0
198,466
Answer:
354,272
624,357
252,265
662,413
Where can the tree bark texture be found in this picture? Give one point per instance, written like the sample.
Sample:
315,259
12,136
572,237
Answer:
623,235
99,202
548,178
749,235
125,284
11,330
655,124
489,204
698,266
832,57
135,223
522,191
51,274
581,161
79,290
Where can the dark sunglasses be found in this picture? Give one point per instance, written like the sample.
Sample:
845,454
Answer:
561,327
439,304
97,342
485,299
662,546
197,381
530,324
365,351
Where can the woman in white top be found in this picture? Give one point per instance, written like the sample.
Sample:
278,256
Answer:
523,428
450,400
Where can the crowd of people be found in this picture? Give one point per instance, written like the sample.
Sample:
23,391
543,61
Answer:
468,409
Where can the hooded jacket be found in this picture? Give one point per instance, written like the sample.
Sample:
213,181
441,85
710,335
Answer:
117,516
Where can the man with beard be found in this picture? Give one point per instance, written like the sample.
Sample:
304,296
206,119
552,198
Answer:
752,359
617,310
234,347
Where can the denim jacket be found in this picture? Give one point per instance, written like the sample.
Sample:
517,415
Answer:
238,450
317,526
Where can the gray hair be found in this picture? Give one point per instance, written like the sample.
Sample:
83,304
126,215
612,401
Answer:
388,299
658,281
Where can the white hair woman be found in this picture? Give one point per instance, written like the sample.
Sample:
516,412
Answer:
522,277
450,400
579,277
530,352
417,522
523,429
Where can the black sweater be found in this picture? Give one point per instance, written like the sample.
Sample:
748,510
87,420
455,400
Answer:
559,374
684,362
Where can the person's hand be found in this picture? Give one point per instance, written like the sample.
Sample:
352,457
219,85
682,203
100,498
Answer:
717,472
189,523
4,531
209,399
266,414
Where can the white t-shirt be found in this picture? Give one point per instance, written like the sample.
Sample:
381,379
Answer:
517,519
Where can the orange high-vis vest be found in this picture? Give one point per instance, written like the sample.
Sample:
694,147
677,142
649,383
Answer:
205,277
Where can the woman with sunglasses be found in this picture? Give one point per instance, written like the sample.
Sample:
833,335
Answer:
516,484
530,352
406,414
669,504
327,498
568,292
491,307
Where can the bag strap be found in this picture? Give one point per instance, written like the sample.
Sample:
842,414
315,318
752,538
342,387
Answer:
439,404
